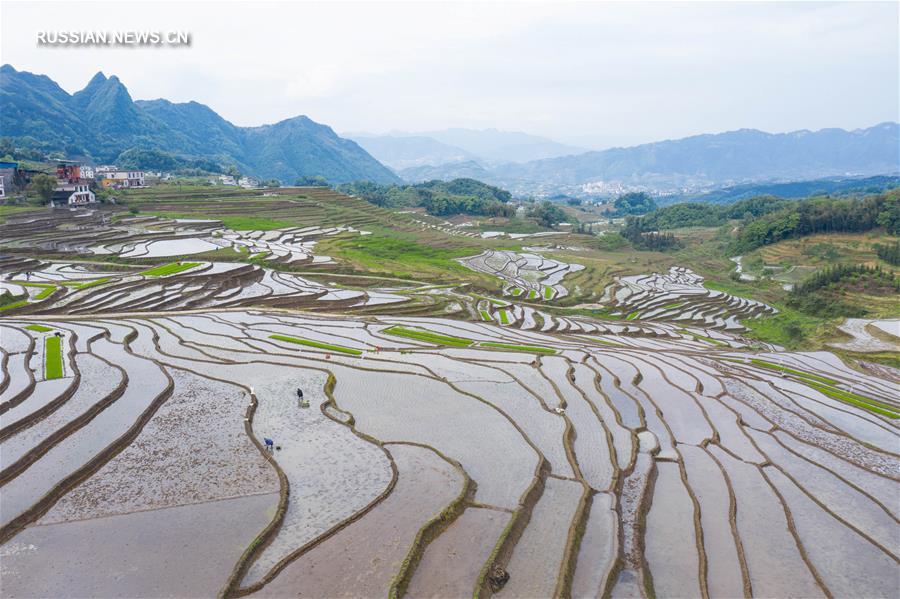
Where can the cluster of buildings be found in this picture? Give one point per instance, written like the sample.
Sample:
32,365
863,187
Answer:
228,180
71,187
76,182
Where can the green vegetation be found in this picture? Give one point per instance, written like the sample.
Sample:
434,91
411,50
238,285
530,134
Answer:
890,253
855,399
532,294
166,270
45,293
43,185
789,328
523,348
548,214
794,371
485,315
53,365
710,340
632,316
398,255
428,336
317,344
673,305
440,198
697,214
821,215
14,305
548,292
38,328
823,294
234,222
85,284
634,203
605,342
504,316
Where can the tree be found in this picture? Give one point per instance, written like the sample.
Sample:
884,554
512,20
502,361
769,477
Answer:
44,186
548,214
634,203
311,181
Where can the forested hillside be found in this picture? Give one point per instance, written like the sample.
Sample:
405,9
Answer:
101,122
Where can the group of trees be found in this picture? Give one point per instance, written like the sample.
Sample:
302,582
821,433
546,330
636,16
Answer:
440,198
634,203
547,213
157,160
311,181
821,294
822,215
890,253
697,214
644,237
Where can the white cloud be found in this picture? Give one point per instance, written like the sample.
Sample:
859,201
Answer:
593,72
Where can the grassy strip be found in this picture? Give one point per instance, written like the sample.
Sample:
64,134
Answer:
632,316
526,348
485,315
45,293
86,284
53,357
786,369
718,342
504,316
605,342
517,291
673,306
14,305
533,294
317,344
860,401
39,328
165,270
548,292
428,336
697,337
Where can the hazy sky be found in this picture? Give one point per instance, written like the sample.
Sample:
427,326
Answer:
593,74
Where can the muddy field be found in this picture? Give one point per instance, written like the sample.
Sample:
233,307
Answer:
214,428
428,470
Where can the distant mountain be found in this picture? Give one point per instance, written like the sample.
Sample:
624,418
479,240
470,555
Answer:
792,190
407,151
446,172
735,157
499,147
705,162
102,121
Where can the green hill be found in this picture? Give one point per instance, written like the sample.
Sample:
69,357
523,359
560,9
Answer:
102,121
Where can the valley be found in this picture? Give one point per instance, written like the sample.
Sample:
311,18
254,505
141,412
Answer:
482,413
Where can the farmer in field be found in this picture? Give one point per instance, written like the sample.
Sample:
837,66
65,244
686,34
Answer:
299,397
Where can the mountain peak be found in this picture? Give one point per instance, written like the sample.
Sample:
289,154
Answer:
97,79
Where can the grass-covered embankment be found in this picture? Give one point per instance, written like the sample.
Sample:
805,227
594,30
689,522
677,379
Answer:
53,364
317,344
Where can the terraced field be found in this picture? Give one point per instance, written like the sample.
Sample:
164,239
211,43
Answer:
580,466
446,441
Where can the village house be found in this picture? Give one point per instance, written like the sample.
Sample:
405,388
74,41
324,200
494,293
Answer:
122,179
71,187
248,182
8,178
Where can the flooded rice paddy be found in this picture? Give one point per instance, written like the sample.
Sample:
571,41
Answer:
519,455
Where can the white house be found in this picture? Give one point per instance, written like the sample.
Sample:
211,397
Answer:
74,194
122,179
